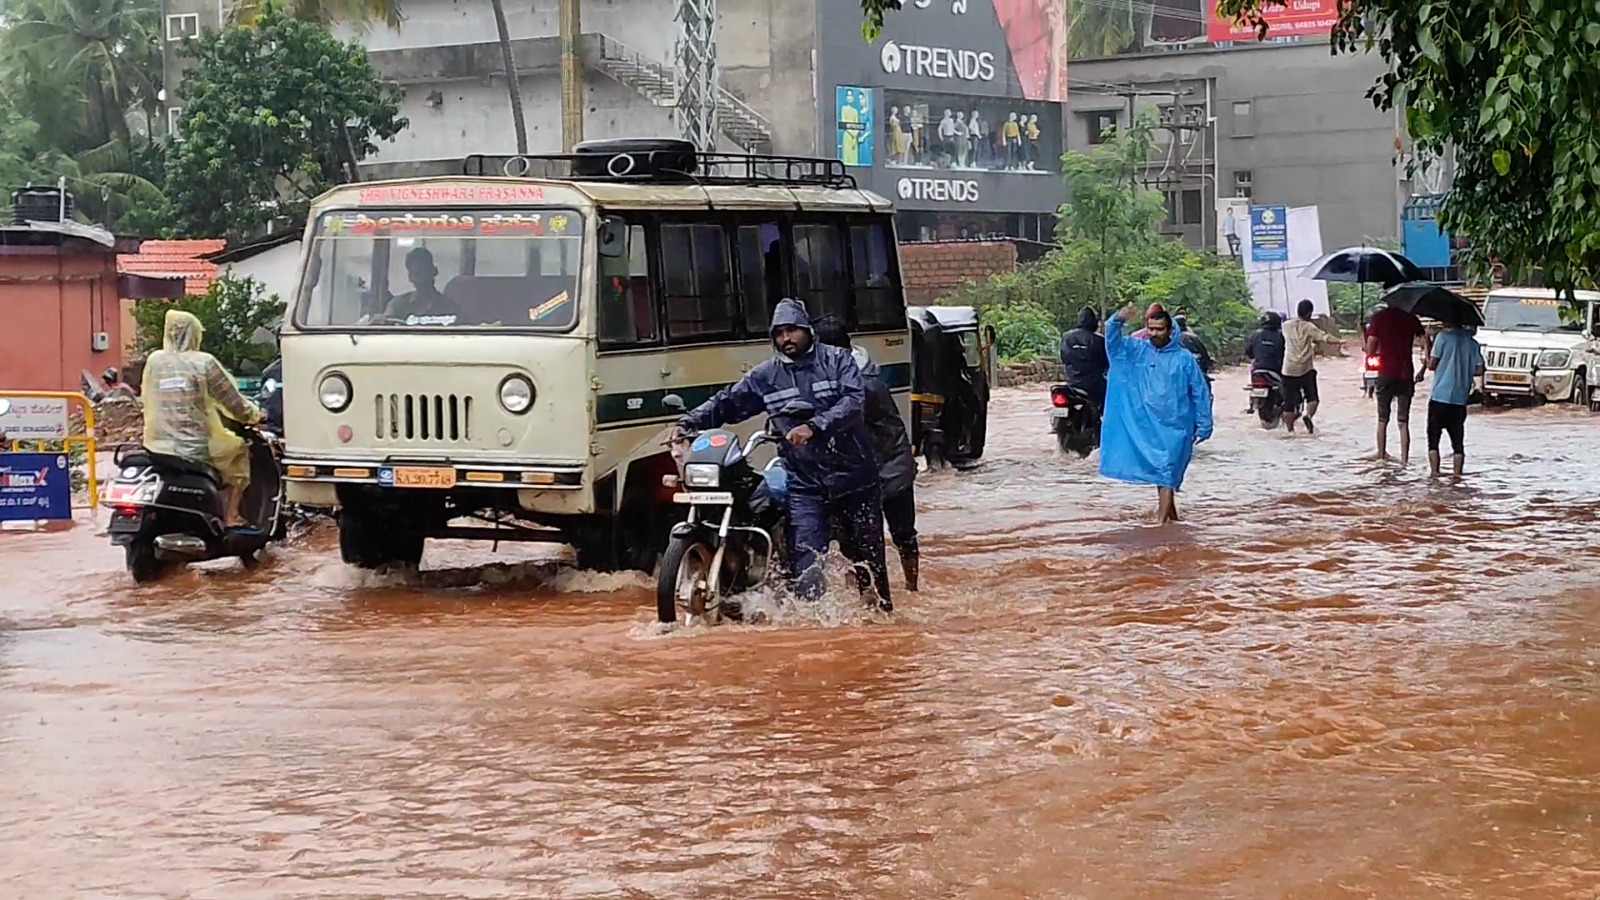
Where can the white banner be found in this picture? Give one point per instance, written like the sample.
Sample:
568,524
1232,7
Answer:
35,419
1278,286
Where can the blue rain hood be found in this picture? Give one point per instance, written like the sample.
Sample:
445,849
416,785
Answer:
790,312
1157,405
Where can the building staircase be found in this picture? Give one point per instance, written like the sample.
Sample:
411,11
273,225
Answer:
659,83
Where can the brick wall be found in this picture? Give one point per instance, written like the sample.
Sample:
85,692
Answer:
937,269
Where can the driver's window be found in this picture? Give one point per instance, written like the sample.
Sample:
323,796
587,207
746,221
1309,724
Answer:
627,306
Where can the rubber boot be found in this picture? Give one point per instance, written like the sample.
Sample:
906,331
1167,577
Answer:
908,562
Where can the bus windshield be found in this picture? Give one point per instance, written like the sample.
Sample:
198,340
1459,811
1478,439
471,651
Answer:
1536,314
456,268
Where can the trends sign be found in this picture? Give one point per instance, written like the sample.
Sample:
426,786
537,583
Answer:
938,189
941,63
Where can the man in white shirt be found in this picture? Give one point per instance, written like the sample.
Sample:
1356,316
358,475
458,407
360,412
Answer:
1300,340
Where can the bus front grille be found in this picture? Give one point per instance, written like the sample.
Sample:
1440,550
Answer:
424,417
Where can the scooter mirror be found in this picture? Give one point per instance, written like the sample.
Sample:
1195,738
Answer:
673,401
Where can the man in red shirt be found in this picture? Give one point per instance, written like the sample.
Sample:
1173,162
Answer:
1391,335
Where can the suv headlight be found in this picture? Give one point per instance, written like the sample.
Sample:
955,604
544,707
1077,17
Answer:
334,392
516,394
1555,359
702,475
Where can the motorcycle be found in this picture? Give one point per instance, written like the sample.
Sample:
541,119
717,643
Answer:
1369,376
168,511
1075,419
1266,396
726,544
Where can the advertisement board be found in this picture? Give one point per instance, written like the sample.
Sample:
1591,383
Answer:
35,487
35,419
1296,18
855,124
1269,234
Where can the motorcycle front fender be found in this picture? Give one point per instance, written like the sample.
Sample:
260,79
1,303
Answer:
696,530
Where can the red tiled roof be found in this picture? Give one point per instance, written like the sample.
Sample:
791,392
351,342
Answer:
175,259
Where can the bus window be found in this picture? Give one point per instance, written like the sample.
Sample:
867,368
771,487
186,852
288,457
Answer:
695,282
627,309
877,303
819,270
761,281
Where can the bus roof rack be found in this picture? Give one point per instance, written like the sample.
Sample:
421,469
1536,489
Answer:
663,161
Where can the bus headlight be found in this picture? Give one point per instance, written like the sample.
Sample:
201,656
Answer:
334,392
1554,359
702,475
516,394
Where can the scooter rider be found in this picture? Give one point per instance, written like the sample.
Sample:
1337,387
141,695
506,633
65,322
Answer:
833,472
1191,342
185,393
1264,348
1083,358
897,468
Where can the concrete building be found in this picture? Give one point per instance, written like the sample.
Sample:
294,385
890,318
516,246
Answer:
1278,123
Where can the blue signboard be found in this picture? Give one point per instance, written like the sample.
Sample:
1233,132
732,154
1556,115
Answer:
35,486
1424,242
1269,234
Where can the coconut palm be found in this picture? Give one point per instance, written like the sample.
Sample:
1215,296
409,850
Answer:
509,64
359,13
1101,28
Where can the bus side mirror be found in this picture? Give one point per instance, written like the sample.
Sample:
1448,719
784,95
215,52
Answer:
613,237
5,406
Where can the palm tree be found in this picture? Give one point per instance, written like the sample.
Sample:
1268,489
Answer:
360,13
509,63
1101,28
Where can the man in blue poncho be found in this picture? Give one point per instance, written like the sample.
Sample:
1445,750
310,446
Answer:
1158,406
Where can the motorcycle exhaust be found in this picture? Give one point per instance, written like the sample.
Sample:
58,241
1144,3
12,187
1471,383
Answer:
179,546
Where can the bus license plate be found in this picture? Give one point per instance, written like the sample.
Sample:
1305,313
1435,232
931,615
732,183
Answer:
697,498
436,477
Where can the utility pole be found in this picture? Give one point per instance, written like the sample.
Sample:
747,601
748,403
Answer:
571,27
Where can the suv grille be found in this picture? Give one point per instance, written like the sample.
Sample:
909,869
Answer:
1509,359
424,417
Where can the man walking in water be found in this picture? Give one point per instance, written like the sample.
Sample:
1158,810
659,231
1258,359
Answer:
1455,360
1158,406
1390,335
1300,340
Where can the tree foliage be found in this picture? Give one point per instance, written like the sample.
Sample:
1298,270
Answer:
1513,89
232,311
274,115
1109,252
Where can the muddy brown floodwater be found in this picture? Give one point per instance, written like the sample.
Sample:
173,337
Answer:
1334,680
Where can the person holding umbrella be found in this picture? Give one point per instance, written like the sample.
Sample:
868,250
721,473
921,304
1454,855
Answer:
1391,335
1455,359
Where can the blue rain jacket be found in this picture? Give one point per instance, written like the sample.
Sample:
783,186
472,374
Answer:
839,459
1157,405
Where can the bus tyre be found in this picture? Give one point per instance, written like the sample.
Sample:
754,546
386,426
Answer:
360,540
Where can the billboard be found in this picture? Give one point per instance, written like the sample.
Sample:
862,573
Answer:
854,124
1296,18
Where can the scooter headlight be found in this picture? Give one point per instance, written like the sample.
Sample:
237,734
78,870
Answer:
334,392
702,475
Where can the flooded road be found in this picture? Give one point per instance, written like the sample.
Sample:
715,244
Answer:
1335,679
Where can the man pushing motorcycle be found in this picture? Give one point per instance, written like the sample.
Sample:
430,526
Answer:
833,471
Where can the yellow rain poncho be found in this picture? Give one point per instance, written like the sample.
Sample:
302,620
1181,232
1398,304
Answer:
186,393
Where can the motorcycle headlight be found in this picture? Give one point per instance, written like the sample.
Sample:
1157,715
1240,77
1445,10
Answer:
334,392
516,394
702,475
1555,359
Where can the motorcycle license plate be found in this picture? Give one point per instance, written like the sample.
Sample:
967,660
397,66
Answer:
1060,413
436,477
700,498
1258,392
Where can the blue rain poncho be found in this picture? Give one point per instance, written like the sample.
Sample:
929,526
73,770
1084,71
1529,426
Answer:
1157,405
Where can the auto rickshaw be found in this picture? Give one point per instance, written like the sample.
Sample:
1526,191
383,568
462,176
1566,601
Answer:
952,370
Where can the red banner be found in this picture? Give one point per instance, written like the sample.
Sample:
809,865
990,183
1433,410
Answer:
1294,19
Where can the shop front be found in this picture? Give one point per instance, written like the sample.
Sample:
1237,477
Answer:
954,112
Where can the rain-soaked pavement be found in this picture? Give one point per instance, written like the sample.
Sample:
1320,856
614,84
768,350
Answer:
1334,680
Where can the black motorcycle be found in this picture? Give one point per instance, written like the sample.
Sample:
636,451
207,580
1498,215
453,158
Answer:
1075,418
168,511
1266,397
732,539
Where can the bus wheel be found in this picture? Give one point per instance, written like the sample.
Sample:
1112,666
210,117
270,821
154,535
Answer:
360,540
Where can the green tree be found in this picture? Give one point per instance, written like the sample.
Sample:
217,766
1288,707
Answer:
1109,214
359,13
1514,90
231,311
273,116
1101,28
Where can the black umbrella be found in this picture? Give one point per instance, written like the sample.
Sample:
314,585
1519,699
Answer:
1430,301
1366,265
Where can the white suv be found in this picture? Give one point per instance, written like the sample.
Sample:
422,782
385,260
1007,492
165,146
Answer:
1534,344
